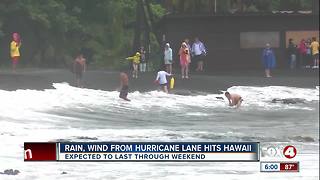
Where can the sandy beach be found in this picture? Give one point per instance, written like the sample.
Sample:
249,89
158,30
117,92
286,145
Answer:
212,82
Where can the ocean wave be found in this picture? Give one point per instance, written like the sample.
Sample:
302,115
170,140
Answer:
64,96
267,94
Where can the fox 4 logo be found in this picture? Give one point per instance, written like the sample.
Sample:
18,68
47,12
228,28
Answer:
27,154
279,151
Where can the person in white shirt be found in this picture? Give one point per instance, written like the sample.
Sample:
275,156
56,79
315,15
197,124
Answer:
198,52
162,80
168,58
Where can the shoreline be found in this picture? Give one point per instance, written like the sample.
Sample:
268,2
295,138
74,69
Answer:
212,82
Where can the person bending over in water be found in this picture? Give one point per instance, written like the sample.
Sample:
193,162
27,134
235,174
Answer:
162,80
124,83
234,99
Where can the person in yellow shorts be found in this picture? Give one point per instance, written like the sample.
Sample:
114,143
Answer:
15,50
315,52
135,64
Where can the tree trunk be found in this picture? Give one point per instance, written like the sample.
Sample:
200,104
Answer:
137,28
152,24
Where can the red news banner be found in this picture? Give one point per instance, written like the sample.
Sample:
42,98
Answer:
142,151
40,152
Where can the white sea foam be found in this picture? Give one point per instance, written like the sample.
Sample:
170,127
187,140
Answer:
16,103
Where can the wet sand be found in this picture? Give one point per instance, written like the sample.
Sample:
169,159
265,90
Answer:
213,82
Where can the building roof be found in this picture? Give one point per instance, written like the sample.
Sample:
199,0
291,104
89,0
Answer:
272,14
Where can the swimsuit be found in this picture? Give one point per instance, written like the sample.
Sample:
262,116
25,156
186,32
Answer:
124,91
78,70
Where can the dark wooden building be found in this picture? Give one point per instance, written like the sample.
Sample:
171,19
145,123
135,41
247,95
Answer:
236,41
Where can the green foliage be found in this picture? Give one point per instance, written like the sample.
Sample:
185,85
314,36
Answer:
55,30
157,10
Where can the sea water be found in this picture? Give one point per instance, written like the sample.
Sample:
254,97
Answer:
66,113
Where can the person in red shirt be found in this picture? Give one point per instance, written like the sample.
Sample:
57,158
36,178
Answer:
302,48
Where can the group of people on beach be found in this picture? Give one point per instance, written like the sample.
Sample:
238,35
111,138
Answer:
307,50
187,54
196,52
305,54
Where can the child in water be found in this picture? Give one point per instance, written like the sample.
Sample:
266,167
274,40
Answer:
135,64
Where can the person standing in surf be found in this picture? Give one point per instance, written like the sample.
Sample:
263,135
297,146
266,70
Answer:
184,54
79,67
124,86
268,60
161,79
135,64
15,50
234,99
